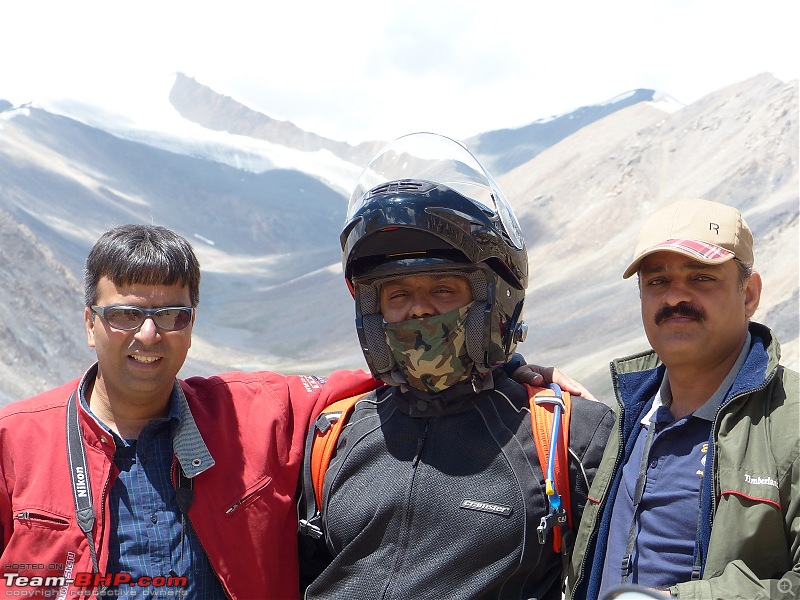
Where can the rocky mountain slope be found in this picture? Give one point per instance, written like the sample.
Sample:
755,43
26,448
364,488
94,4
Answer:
266,228
584,199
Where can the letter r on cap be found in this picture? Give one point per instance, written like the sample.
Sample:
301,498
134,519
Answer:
713,227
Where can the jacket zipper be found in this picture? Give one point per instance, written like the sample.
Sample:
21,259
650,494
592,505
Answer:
197,534
420,444
210,562
266,481
27,515
102,522
404,525
620,449
714,483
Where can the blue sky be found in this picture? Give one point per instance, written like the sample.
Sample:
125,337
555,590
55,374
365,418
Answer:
360,70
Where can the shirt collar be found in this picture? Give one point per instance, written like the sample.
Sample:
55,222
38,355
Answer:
708,411
187,442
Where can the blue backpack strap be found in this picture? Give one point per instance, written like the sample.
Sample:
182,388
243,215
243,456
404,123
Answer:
550,415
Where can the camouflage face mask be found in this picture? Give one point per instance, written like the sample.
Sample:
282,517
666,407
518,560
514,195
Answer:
432,352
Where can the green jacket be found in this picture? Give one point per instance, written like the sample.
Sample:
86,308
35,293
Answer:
750,545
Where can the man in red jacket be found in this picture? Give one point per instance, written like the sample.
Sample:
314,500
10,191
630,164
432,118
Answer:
130,477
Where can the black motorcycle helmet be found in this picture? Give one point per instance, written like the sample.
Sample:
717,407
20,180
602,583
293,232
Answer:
425,205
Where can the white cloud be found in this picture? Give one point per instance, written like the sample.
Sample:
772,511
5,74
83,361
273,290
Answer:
360,70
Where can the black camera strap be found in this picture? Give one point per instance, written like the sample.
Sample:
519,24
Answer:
79,474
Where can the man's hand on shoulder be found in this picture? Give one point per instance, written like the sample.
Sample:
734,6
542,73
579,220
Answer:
542,376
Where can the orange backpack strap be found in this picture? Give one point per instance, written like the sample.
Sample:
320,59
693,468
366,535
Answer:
324,445
542,418
320,446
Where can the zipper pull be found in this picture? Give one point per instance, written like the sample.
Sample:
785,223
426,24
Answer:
420,443
24,515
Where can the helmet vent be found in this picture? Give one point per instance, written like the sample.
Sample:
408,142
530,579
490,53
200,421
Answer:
404,185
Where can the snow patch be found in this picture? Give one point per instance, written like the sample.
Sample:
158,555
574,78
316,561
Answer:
618,98
152,120
665,102
23,111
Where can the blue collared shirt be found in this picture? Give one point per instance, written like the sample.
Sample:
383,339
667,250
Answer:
666,522
149,535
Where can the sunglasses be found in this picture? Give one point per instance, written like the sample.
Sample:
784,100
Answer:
128,318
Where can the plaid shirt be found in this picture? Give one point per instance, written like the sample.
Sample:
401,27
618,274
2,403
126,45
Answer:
148,535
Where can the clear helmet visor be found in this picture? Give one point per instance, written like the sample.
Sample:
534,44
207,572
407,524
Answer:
441,160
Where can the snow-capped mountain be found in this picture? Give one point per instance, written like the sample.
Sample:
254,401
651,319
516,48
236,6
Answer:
504,149
263,201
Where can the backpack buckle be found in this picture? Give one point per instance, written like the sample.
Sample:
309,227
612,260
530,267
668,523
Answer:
311,527
555,518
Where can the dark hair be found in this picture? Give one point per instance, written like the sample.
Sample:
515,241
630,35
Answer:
144,254
745,273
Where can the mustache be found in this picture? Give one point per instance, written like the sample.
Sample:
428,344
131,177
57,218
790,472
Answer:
682,309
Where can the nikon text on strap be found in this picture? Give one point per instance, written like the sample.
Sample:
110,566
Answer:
79,475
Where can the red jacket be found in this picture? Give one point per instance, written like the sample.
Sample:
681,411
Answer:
244,510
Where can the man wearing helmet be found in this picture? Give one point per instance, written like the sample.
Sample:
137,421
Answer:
435,489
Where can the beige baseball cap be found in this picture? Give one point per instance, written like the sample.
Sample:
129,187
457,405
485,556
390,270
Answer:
709,232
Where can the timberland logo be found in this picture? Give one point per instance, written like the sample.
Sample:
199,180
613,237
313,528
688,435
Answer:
760,480
80,483
496,509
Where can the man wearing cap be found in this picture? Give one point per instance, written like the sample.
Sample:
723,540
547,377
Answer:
698,493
